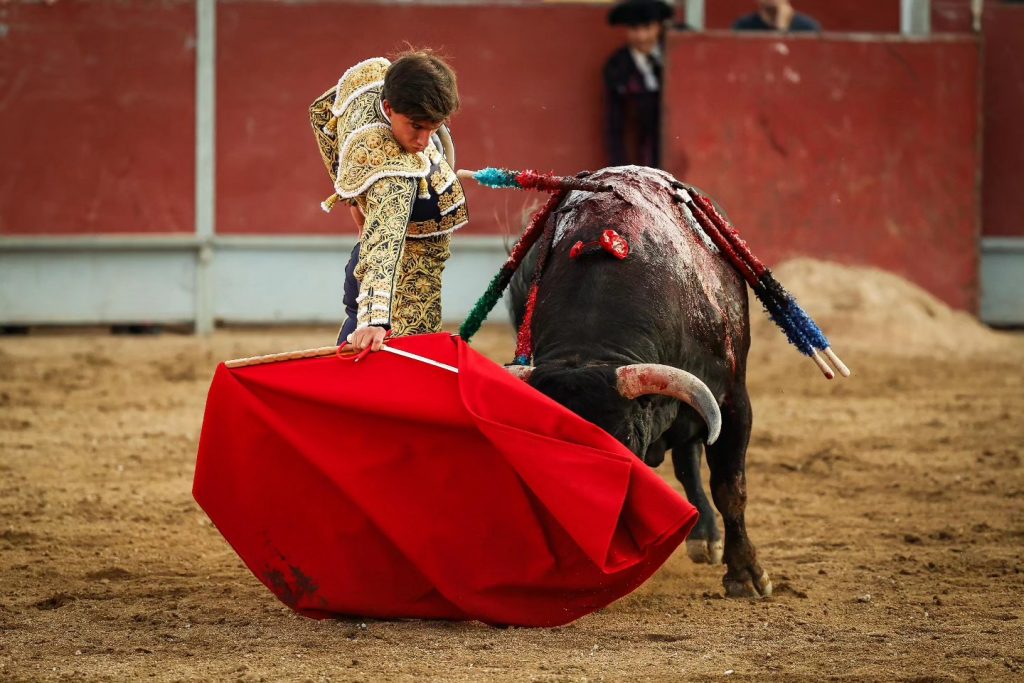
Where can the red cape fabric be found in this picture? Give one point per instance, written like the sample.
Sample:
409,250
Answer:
390,488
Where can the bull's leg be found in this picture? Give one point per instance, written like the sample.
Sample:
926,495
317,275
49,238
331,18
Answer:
727,461
704,544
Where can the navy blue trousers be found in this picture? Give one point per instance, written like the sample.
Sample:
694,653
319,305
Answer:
349,297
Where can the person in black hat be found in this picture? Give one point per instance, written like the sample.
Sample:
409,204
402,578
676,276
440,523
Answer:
632,79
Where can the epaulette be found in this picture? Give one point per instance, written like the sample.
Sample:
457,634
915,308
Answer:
356,144
371,153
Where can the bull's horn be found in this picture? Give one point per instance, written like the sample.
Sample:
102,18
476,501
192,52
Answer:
523,372
653,378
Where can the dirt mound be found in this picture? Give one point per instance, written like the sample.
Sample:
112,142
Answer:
866,308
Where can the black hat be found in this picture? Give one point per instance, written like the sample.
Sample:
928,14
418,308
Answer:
639,12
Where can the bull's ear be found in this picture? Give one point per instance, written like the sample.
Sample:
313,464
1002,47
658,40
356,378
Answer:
523,372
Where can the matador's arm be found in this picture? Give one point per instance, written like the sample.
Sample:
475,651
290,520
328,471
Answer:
388,203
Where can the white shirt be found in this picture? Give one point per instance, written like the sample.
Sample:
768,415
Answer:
644,65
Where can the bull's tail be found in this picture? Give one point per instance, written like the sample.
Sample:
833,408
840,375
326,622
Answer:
780,305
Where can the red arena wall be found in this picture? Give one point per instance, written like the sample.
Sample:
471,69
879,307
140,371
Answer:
1003,158
529,77
98,119
951,16
97,115
862,152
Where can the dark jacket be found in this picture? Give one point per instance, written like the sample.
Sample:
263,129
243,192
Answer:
632,112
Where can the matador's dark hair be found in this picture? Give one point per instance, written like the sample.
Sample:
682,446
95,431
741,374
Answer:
420,84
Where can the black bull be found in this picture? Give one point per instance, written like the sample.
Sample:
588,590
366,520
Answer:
678,310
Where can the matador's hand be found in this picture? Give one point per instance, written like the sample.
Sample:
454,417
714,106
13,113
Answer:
370,336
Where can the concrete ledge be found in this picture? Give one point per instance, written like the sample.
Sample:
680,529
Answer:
70,243
272,279
1002,280
250,279
59,285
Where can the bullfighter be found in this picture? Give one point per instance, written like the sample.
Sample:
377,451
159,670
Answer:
383,135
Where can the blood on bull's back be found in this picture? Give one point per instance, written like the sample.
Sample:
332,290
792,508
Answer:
672,300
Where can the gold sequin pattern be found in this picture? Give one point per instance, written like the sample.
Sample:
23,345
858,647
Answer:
417,307
445,183
373,153
319,116
369,72
449,223
441,179
450,198
386,204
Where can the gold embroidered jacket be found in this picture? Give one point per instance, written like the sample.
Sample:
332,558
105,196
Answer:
412,202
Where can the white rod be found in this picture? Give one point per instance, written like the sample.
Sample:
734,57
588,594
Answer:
977,7
695,14
915,17
206,101
422,359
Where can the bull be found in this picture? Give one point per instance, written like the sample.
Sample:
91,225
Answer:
652,348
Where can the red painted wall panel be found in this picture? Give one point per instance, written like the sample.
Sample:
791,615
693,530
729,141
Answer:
951,16
1003,160
529,78
97,111
873,16
863,152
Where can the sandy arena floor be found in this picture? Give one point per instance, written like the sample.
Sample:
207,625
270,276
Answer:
888,509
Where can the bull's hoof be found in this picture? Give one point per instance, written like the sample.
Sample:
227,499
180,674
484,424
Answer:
761,587
705,551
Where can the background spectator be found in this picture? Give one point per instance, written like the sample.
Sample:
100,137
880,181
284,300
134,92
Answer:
632,79
776,15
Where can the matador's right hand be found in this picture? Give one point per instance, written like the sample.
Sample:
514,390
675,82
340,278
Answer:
371,337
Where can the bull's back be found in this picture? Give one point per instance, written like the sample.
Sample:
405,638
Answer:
674,299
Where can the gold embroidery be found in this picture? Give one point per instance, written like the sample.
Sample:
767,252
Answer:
367,160
444,182
449,223
441,179
366,73
319,116
449,199
371,151
386,205
417,308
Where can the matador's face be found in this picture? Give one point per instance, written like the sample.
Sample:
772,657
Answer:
412,134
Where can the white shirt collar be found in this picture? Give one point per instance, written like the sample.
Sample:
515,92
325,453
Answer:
644,66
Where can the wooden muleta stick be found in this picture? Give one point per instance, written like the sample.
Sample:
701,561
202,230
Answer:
277,357
329,351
